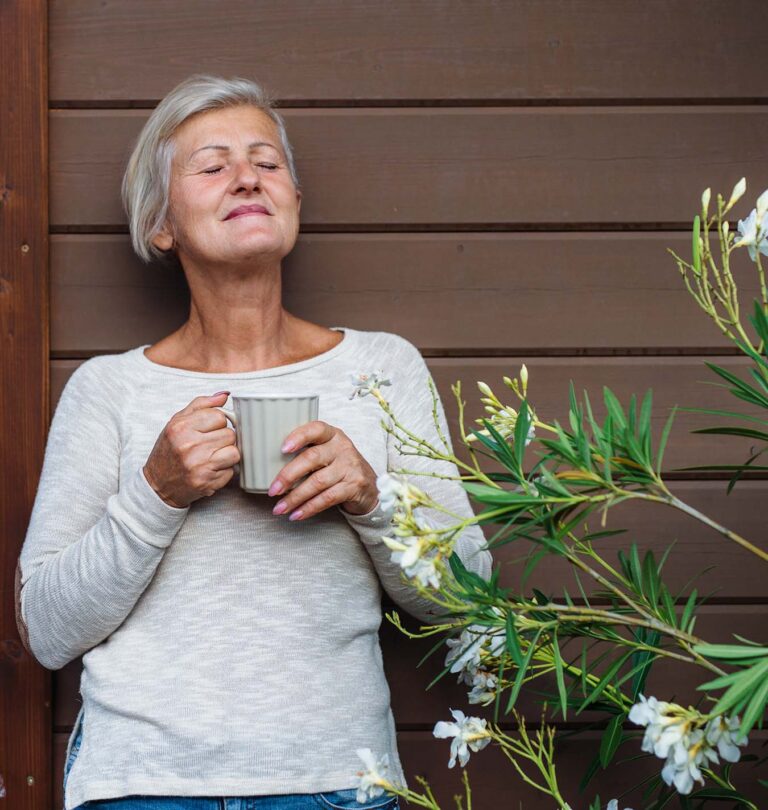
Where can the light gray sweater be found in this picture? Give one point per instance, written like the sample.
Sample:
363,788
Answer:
226,651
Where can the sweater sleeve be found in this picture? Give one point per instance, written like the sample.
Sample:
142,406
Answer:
94,541
411,403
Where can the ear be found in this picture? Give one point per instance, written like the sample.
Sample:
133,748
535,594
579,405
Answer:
163,240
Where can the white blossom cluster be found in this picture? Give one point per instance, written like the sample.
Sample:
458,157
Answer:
466,654
685,739
416,544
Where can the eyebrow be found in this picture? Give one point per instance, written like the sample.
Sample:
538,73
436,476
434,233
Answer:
222,148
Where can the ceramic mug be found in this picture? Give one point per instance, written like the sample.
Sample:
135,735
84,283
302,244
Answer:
262,423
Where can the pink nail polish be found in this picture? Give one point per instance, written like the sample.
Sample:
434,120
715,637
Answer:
279,509
295,515
287,447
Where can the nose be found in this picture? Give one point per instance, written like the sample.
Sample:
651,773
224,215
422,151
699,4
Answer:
246,176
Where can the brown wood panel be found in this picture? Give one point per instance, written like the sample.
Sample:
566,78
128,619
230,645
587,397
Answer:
25,687
438,167
674,380
492,779
551,49
481,291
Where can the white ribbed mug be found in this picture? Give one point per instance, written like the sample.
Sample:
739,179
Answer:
262,422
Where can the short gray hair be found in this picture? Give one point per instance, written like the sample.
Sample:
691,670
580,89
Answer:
146,182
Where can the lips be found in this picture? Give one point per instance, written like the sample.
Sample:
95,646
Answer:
246,209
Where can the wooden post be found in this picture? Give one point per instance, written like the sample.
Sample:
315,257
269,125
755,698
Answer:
25,686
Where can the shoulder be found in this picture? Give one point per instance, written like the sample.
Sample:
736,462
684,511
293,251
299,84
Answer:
104,378
388,349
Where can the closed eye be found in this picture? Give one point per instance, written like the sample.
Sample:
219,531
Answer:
270,166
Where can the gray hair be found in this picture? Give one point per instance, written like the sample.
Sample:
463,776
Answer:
146,182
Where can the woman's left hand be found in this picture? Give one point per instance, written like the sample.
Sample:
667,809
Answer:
337,474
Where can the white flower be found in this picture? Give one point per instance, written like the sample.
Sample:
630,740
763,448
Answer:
682,765
613,804
374,775
721,732
674,734
365,382
483,688
396,492
465,651
754,238
469,733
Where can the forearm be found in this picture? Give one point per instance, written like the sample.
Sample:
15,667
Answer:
76,597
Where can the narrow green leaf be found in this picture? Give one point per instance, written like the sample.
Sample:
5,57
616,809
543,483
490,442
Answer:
730,651
610,740
559,675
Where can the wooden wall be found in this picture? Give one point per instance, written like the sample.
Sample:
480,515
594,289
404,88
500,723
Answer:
496,181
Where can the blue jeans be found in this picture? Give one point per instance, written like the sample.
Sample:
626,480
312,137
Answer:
329,800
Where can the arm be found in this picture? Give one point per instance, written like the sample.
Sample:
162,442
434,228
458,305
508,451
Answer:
93,541
411,403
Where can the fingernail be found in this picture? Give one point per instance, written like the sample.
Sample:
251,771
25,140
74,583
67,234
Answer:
287,447
276,488
279,509
218,393
295,515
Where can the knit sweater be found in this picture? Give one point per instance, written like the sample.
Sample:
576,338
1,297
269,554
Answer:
225,650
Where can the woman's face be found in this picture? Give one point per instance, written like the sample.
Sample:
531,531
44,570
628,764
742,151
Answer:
226,159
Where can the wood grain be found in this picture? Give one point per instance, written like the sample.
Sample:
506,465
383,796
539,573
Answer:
481,168
339,52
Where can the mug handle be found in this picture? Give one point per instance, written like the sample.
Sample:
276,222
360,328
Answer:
229,414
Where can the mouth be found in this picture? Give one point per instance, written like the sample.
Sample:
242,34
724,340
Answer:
245,210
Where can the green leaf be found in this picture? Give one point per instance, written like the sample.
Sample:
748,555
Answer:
740,689
559,675
755,708
610,740
730,651
513,642
521,672
522,424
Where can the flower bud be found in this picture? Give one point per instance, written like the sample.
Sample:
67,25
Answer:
737,193
762,205
485,389
524,377
705,201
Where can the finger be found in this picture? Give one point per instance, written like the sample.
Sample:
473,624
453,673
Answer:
313,432
311,458
219,398
336,494
224,457
221,437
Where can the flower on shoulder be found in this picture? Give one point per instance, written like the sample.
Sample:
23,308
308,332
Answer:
469,733
366,382
373,780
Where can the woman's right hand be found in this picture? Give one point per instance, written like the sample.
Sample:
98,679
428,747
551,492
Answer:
195,454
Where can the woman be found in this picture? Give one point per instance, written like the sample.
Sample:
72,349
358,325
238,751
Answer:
230,643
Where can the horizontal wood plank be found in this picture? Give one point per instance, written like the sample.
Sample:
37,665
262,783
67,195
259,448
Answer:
486,167
548,50
480,292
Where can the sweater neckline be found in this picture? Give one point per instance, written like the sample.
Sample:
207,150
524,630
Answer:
276,371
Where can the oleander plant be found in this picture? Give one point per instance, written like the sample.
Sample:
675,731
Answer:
591,648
